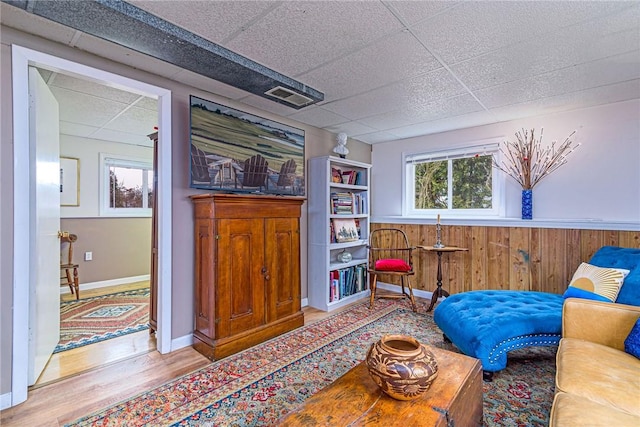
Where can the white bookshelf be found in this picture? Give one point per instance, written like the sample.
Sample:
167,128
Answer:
323,252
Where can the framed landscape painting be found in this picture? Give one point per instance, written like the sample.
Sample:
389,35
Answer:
234,151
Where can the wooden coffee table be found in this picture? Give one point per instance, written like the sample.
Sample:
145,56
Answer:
455,398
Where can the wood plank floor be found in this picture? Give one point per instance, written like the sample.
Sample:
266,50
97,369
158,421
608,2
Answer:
92,388
81,359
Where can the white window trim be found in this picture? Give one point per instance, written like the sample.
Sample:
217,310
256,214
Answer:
105,209
498,181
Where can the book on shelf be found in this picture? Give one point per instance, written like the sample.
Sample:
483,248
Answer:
336,175
347,203
347,281
352,177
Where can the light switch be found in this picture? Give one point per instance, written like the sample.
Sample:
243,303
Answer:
88,256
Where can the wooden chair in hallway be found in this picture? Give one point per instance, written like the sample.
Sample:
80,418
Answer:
390,253
68,269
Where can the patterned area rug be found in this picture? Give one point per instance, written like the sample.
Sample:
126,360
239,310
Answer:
259,385
96,319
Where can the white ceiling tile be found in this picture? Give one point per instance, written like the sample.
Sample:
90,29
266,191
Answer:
148,104
410,95
350,128
19,19
477,27
300,35
134,121
124,55
572,101
268,105
417,11
478,118
74,84
603,72
374,137
390,120
76,129
580,44
213,86
94,111
123,137
212,20
389,60
317,116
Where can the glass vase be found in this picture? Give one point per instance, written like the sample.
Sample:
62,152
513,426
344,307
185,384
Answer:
527,204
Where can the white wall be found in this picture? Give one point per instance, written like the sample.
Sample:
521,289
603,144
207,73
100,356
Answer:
600,182
88,151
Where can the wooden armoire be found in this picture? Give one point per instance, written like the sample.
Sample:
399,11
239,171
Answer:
247,270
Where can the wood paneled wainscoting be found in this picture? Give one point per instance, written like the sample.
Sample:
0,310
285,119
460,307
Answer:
517,258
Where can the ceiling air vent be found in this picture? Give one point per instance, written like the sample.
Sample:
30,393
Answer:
289,96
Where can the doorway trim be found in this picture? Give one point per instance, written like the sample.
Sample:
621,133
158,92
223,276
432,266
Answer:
22,58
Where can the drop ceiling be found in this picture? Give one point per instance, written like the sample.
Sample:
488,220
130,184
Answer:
388,69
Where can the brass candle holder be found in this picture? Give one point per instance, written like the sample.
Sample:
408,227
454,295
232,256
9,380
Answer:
439,243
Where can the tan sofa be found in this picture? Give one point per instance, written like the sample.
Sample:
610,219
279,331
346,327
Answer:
597,383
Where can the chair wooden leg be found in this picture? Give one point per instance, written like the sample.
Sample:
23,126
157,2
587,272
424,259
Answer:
413,301
76,282
374,284
69,279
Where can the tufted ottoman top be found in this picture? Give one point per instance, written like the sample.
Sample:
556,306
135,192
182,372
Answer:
479,322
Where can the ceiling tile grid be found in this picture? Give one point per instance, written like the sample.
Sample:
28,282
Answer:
388,69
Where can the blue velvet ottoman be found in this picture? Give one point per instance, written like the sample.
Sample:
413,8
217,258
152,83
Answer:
489,324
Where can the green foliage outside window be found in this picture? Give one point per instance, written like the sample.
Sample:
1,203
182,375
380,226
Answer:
471,183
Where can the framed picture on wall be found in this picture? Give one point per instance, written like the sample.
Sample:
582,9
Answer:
69,181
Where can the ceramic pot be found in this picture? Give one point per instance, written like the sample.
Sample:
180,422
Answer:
401,366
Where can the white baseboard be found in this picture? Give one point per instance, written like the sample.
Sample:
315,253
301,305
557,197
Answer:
183,341
5,401
397,288
105,283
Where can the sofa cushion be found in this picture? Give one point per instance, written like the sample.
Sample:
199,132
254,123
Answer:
573,292
627,258
601,374
569,410
632,342
602,281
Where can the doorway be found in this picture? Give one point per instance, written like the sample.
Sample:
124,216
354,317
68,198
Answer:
22,58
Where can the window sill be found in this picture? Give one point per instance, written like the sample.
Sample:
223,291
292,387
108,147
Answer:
583,224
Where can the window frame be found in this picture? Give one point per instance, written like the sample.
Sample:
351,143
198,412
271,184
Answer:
106,161
484,147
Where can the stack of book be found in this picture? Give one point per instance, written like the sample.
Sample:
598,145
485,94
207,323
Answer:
346,203
342,203
347,281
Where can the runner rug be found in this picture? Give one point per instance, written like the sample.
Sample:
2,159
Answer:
90,320
259,385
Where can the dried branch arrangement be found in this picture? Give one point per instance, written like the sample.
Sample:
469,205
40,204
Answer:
528,162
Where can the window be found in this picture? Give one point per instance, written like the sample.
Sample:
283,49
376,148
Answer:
126,186
459,182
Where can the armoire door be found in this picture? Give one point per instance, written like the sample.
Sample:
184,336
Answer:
240,287
282,249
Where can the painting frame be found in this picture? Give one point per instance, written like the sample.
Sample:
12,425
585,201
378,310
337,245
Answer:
69,181
345,230
238,152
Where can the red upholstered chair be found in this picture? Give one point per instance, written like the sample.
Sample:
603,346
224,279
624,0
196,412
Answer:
391,254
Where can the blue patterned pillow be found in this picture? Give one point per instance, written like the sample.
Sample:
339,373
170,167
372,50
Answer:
573,292
632,343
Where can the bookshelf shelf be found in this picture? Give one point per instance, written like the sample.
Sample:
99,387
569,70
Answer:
338,211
